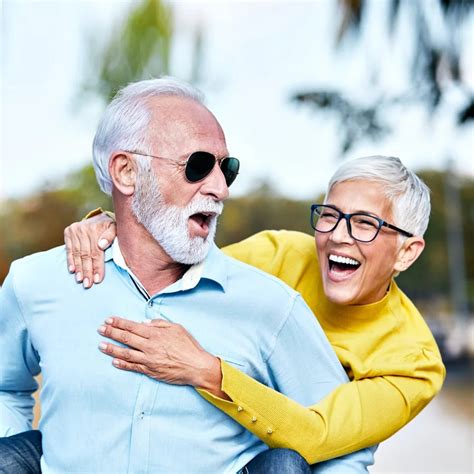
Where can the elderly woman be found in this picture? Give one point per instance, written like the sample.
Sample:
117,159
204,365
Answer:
368,230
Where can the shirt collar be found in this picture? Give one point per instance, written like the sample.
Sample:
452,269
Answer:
215,267
212,268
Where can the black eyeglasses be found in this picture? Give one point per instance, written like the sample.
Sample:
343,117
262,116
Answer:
361,226
200,164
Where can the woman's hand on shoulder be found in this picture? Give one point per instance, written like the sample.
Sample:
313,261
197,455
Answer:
86,242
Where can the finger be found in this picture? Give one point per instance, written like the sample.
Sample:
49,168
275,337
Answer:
140,329
85,253
98,265
98,257
75,250
123,353
107,237
129,366
125,337
68,243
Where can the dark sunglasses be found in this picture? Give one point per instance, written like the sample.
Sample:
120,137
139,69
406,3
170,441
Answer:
200,164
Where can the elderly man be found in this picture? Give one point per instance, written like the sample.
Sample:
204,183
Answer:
155,151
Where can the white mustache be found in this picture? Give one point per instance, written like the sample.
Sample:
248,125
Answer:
204,205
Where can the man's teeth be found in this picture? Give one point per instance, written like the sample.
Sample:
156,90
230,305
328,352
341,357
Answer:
345,260
206,214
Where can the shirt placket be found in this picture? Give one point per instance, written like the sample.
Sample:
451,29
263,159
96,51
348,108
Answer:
142,414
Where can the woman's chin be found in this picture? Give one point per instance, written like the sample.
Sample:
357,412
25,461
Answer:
340,291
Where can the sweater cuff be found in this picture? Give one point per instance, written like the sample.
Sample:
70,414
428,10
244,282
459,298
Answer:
97,212
243,402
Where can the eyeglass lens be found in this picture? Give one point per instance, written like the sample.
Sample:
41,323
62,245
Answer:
362,226
201,163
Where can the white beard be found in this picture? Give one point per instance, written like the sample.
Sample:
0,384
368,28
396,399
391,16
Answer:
168,224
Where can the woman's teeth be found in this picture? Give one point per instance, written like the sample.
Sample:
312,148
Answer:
343,260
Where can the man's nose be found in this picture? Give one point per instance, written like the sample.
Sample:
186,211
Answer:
341,233
214,185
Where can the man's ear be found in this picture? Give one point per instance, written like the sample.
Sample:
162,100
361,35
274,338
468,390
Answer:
123,172
411,249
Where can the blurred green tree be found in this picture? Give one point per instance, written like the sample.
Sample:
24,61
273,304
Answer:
138,48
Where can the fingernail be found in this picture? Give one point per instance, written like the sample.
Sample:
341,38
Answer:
116,362
103,243
109,321
71,268
78,277
102,346
86,283
96,278
101,329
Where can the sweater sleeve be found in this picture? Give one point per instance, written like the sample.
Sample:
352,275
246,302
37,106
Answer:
353,416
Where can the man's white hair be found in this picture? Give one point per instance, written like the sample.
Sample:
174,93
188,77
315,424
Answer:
408,194
124,123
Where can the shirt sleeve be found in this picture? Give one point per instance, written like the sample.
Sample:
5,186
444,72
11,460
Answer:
303,367
353,416
18,364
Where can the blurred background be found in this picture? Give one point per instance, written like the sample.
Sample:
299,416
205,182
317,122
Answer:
298,86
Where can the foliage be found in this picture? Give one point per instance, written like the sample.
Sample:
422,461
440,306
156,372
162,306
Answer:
139,48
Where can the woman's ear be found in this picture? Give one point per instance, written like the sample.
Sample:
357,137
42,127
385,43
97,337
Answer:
410,250
123,172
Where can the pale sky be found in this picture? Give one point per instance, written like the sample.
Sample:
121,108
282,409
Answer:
256,54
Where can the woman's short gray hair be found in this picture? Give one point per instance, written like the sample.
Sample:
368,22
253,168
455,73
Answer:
124,123
409,195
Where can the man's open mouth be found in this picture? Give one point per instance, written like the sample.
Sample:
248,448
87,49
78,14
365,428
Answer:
202,218
342,266
201,221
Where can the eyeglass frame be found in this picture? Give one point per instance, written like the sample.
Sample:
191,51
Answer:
185,162
347,218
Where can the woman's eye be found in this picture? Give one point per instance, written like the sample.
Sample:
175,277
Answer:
366,222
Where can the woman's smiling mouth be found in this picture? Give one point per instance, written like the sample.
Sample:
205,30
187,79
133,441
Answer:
340,267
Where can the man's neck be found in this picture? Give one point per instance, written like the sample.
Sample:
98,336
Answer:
146,258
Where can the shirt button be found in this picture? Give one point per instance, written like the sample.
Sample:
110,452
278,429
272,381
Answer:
254,419
239,408
150,303
142,414
269,431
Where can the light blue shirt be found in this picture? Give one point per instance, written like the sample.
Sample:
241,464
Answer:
96,418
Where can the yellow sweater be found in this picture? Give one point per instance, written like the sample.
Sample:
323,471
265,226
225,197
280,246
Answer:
386,348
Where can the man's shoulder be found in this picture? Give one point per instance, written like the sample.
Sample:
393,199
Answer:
40,266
